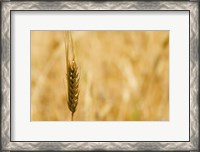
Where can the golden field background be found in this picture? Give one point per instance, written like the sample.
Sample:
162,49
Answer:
124,75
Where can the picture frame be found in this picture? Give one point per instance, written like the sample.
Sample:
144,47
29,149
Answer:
9,7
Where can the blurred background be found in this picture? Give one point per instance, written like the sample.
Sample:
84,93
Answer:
124,76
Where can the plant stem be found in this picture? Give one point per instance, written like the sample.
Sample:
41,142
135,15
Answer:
72,116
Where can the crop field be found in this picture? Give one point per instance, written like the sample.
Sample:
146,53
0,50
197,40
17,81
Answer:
124,76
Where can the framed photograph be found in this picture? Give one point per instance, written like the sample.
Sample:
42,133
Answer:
100,76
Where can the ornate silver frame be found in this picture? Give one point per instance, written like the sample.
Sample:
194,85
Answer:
8,6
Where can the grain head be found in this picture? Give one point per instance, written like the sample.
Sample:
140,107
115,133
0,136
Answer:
72,75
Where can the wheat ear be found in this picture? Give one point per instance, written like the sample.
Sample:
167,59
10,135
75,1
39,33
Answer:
72,75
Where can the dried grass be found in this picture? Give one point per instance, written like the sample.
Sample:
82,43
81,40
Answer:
124,75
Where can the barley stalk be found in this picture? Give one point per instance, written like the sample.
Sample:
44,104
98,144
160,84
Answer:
72,75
